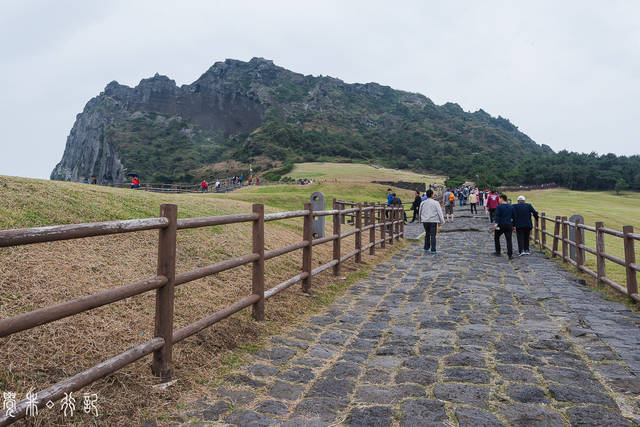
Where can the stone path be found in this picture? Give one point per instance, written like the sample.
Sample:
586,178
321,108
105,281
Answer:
459,338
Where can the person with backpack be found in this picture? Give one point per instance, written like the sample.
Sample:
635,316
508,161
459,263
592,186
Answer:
415,206
430,214
493,200
449,201
503,224
523,224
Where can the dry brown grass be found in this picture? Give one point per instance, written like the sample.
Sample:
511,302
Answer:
39,275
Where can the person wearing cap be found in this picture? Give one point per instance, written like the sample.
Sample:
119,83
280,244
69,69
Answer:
523,224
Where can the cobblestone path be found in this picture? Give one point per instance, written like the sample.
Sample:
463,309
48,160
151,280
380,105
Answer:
458,338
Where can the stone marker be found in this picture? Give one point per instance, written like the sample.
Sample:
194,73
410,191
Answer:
317,204
572,235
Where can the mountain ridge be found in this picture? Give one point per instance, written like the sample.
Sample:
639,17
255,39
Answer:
262,113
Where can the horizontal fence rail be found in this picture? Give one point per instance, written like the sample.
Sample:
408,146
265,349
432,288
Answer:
561,243
385,222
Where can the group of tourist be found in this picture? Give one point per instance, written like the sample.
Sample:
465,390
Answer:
504,216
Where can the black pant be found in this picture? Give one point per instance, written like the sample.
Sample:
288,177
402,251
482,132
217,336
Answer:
474,208
415,214
492,214
523,239
430,229
505,229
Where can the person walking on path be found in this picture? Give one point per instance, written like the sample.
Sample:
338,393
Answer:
493,200
415,206
449,201
504,225
389,197
204,186
523,224
396,202
430,214
473,202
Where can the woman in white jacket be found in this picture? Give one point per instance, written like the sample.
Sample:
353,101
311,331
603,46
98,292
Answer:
431,217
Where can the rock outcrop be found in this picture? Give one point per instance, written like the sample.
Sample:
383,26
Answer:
256,110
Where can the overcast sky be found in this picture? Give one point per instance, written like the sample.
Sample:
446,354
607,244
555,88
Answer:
567,73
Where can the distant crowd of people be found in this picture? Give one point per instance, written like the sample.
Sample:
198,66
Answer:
505,217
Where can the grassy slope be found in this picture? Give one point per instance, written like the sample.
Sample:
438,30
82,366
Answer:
615,211
352,172
39,275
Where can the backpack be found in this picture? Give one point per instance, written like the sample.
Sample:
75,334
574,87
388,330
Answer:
452,198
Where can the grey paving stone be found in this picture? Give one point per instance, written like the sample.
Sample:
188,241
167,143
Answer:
417,376
468,394
331,387
516,373
209,411
322,351
343,369
529,415
376,376
272,407
422,412
596,416
473,417
286,391
378,416
241,379
571,377
565,393
425,363
327,409
527,394
298,375
467,375
466,358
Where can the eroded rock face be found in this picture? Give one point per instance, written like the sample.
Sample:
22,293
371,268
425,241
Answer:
218,101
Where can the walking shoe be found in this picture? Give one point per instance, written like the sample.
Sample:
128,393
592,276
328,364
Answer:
496,254
527,253
522,253
433,252
510,256
426,251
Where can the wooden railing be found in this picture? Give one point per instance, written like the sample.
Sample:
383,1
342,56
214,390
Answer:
560,244
368,217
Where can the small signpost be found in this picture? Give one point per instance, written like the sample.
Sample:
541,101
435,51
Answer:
317,204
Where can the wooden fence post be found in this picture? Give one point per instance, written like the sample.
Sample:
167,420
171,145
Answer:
336,242
600,249
162,363
402,214
580,253
536,231
358,224
543,235
629,259
372,230
392,226
556,236
565,236
383,228
306,251
257,276
343,218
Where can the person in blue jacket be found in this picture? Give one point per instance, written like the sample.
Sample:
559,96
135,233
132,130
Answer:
503,224
523,224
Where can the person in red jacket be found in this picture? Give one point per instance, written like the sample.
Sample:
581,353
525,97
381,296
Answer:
204,185
492,203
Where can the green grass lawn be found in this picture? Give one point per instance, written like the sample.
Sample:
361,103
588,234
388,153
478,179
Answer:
615,211
355,172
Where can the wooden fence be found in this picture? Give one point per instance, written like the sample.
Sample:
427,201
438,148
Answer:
368,217
560,248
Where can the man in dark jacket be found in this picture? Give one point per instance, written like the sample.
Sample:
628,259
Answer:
523,224
503,224
416,206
